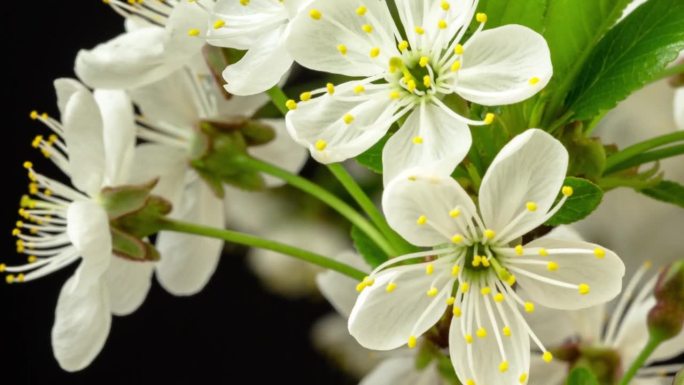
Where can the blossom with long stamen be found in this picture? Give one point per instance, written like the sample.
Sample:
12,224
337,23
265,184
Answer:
260,27
406,70
60,224
613,335
478,264
161,37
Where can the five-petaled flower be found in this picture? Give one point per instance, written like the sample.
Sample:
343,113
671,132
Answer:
482,251
407,69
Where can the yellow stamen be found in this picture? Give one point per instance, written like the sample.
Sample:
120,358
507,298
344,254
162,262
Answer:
552,266
348,118
421,220
424,61
343,49
498,297
481,332
331,88
321,144
457,311
599,253
315,14
450,301
291,105
219,24
457,239
583,289
534,80
417,140
529,307
481,17
465,286
420,30
567,191
547,357
506,331
305,96
391,287
403,45
503,366
432,292
442,24
367,28
429,269
374,52
361,10
531,206
412,342
489,118
194,32
458,50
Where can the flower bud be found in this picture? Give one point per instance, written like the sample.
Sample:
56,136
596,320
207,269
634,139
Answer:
666,319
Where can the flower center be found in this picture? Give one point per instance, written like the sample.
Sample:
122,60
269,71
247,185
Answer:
413,74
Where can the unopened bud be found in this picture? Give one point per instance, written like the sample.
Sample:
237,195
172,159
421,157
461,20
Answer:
666,319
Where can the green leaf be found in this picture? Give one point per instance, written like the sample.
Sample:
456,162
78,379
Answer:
581,376
667,191
370,252
631,54
529,13
372,158
585,199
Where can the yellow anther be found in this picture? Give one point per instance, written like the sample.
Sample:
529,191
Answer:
457,239
291,105
16,232
28,165
531,206
52,138
583,288
219,24
47,192
331,88
543,252
548,357
523,378
456,66
465,286
432,292
427,81
481,17
485,290
454,213
470,382
342,48
394,95
477,260
21,277
321,145
534,80
421,220
44,116
450,301
19,224
33,188
468,338
368,281
429,269
498,297
359,89
361,10
511,280
348,118
403,45
458,50
489,118
315,14
391,287
481,332
457,311
420,30
36,141
567,191
442,24
2,267
506,331
374,52
193,32
552,266
305,96
424,61
503,366
34,115
454,270
32,258
445,5
412,342
485,261
411,85
244,2
599,253
9,278
417,140
367,28
529,307
489,234
648,264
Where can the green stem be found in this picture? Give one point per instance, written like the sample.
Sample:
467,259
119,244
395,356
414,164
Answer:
370,209
651,345
616,159
558,123
252,241
671,71
661,153
324,195
278,98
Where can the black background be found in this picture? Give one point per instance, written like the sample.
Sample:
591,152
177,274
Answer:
212,336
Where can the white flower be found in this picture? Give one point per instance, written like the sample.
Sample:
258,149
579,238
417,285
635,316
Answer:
679,107
406,78
623,331
93,145
162,37
260,27
171,109
489,338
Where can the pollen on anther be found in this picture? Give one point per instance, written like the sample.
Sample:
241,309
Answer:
421,220
450,301
489,234
28,165
457,239
348,118
465,287
291,105
427,81
485,290
481,332
456,66
394,95
361,10
420,30
321,144
468,338
403,45
503,366
417,140
412,342
457,311
454,213
391,287
523,378
583,288
367,28
567,191
442,24
34,115
534,80
531,206
374,52
547,357
305,96
552,266
315,14
359,89
470,382
432,292
219,24
429,269
244,2
499,297
331,88
424,61
506,331
455,270
481,17
445,5
193,32
599,253
543,252
529,307
458,50
489,118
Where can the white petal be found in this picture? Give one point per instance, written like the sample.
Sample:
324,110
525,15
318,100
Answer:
252,211
480,360
130,60
321,120
444,142
82,322
381,320
602,275
282,150
244,25
187,261
339,289
679,107
555,327
427,16
168,164
499,65
119,134
82,125
401,371
65,89
128,283
418,193
547,373
315,43
88,230
530,168
186,16
262,66
241,105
